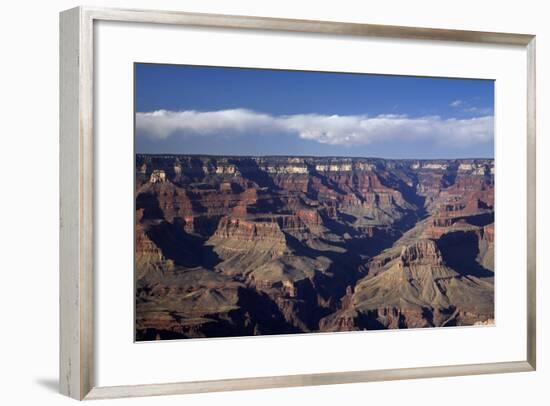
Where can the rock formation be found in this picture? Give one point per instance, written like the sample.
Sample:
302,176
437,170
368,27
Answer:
230,246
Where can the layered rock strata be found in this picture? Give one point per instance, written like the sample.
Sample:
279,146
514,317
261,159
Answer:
230,246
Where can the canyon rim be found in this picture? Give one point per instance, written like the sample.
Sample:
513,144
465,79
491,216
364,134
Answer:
260,208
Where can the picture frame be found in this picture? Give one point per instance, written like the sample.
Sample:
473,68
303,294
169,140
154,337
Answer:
77,186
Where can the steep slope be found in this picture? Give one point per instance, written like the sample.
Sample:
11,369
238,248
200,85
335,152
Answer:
416,289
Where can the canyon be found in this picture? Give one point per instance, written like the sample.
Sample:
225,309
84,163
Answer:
241,245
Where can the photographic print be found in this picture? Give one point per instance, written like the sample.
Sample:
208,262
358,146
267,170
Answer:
280,202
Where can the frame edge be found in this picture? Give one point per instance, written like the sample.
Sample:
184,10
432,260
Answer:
69,281
531,206
76,205
305,26
290,381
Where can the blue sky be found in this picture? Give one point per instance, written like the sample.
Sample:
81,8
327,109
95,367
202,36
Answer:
233,111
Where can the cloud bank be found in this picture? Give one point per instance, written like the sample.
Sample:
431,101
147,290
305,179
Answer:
326,129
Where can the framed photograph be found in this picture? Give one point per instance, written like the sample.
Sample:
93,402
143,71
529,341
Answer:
252,202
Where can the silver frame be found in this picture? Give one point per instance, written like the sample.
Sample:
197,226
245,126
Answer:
77,185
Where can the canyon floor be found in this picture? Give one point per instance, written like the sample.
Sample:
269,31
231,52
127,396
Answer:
239,246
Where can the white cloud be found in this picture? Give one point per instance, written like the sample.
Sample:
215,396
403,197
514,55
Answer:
325,129
466,107
479,110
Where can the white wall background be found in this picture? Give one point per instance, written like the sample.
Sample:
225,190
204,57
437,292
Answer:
29,199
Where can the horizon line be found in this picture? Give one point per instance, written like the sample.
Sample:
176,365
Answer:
310,156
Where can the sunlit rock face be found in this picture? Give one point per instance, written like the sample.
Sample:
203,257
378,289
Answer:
232,246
